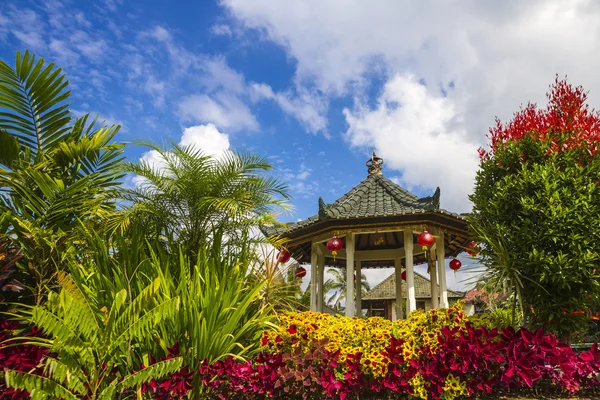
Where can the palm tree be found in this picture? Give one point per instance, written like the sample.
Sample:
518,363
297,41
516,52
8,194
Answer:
192,195
338,284
56,173
501,273
281,287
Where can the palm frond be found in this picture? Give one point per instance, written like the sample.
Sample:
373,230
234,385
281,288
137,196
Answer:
32,103
9,149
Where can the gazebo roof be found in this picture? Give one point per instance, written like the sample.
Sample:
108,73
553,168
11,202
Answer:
386,289
374,197
375,204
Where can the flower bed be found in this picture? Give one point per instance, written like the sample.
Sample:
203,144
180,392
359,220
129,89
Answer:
434,355
437,355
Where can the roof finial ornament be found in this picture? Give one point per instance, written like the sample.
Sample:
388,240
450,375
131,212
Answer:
374,164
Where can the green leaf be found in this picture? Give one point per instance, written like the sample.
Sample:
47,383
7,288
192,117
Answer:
35,383
157,370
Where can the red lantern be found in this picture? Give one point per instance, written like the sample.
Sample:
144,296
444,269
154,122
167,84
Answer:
283,256
403,275
334,244
425,239
455,265
300,272
354,277
472,248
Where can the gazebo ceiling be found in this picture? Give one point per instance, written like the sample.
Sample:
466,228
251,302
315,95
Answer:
365,242
375,210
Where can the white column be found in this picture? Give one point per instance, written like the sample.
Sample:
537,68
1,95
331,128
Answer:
358,287
320,282
313,277
411,302
441,262
433,276
398,276
350,275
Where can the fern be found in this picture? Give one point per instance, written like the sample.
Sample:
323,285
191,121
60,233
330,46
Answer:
82,317
38,386
92,356
158,370
60,372
143,326
141,302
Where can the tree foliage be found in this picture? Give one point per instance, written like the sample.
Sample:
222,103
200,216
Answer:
537,195
188,195
56,173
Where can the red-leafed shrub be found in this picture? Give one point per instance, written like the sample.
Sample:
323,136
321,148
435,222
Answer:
20,358
566,123
536,210
175,386
453,362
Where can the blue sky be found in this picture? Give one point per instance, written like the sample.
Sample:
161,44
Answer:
315,85
153,68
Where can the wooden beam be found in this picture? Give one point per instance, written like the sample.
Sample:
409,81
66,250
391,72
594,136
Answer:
374,255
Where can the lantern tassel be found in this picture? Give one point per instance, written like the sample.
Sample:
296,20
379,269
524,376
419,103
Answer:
334,253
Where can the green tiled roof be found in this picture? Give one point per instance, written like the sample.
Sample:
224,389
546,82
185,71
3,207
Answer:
386,290
375,196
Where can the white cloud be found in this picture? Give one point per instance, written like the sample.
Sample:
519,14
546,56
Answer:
415,131
223,92
224,110
221,30
220,77
161,34
64,53
306,107
3,26
304,173
488,57
82,20
112,5
155,88
299,184
205,137
27,26
91,47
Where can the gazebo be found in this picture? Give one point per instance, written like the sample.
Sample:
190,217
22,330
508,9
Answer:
377,222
